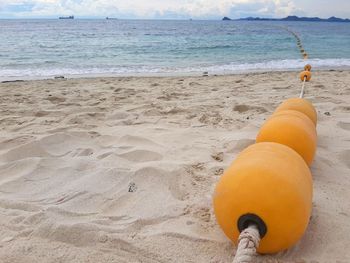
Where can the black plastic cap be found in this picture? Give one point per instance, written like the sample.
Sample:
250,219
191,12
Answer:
248,219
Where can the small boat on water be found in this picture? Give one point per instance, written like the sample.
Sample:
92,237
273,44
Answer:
111,18
66,17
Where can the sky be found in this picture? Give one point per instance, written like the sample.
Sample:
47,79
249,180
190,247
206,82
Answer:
173,9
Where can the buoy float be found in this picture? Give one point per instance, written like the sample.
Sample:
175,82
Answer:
268,185
301,105
305,75
307,67
293,129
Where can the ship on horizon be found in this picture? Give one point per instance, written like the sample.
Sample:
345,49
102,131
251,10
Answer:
66,17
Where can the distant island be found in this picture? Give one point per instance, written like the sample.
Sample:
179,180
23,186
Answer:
290,18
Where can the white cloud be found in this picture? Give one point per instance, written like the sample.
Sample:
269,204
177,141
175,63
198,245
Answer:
159,8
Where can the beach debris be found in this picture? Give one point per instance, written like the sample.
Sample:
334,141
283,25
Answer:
327,113
205,74
132,187
59,77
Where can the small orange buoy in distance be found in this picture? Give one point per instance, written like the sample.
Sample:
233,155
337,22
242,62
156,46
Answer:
305,75
269,185
307,67
293,129
301,105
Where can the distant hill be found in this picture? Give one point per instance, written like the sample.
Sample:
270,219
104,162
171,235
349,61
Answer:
291,18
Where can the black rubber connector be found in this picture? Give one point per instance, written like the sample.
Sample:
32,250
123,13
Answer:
248,219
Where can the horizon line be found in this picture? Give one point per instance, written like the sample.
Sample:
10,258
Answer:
164,18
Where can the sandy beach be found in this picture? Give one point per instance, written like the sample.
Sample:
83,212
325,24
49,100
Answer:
123,169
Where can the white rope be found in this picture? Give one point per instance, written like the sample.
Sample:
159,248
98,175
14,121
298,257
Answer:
303,89
248,242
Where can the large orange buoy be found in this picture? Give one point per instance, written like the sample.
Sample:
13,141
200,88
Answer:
268,185
302,105
293,129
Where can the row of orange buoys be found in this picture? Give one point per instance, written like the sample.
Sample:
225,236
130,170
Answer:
270,184
298,39
300,45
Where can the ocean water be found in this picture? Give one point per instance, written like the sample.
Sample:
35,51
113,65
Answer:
44,48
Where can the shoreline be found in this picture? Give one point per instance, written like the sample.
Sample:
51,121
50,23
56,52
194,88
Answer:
163,75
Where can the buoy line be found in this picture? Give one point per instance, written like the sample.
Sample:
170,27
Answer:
253,198
304,54
305,76
302,93
248,243
299,42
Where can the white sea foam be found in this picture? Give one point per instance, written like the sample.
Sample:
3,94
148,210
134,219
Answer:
231,68
278,65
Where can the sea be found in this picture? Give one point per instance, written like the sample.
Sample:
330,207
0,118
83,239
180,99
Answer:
35,49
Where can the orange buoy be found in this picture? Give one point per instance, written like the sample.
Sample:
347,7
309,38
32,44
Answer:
301,105
305,74
293,129
270,186
307,67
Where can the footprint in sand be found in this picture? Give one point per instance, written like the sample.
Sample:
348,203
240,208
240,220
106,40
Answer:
213,118
41,113
244,108
191,84
319,86
219,156
56,99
